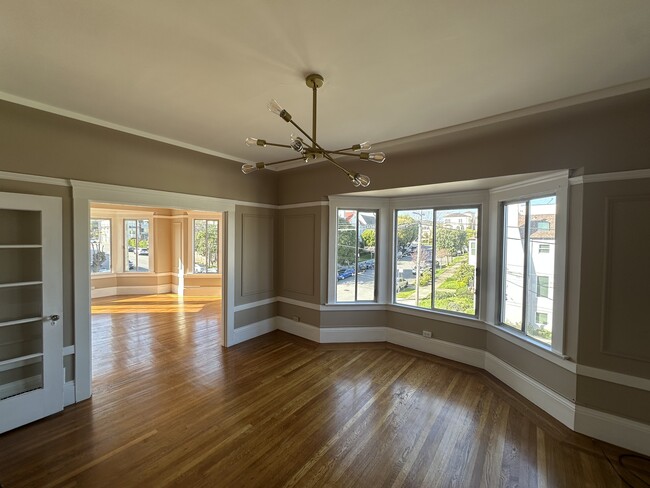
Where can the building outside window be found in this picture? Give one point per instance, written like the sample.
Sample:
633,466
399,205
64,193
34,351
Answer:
137,245
100,246
356,241
436,259
527,287
206,246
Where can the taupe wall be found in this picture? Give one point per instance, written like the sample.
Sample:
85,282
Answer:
41,143
302,257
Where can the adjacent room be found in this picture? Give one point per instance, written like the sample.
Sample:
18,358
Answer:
324,244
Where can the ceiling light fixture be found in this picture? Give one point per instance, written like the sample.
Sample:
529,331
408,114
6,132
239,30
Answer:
314,150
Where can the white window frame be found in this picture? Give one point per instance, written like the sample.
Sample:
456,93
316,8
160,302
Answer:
123,243
382,245
111,271
555,184
478,199
193,249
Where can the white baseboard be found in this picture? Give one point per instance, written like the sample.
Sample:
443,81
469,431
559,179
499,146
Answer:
20,386
552,403
111,291
613,429
68,393
299,329
449,350
257,329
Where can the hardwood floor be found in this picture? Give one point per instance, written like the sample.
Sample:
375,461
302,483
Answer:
172,407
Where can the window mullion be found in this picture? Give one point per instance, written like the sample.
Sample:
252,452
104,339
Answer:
524,301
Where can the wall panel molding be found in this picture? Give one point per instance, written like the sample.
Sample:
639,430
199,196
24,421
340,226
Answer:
257,254
299,256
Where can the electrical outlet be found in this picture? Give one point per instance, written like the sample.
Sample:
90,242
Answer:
426,333
295,318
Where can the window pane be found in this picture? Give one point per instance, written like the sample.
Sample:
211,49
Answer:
356,232
100,245
136,242
456,253
541,265
346,255
513,257
366,255
413,273
206,242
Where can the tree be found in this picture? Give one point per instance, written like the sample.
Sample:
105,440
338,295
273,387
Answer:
407,231
449,241
368,237
346,243
205,244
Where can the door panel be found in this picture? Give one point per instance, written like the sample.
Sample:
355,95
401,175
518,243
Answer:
31,305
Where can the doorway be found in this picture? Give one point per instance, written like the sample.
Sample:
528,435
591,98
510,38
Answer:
184,283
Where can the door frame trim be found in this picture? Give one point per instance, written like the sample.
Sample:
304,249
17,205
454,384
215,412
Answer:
83,193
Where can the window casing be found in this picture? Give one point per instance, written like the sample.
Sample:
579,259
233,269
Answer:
137,249
100,246
356,255
205,246
436,259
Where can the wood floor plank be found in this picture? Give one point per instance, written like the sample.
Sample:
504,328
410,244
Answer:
172,407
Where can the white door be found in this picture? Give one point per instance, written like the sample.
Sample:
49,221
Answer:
31,309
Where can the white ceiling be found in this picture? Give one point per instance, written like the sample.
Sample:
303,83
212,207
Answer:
199,74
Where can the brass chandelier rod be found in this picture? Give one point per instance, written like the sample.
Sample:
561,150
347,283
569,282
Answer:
313,81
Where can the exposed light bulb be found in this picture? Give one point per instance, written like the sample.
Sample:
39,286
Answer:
355,181
275,107
363,180
252,141
249,167
376,157
297,144
364,146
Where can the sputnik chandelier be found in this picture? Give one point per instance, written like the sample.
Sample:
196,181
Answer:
314,150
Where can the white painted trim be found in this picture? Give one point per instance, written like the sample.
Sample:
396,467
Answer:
551,178
256,329
122,128
85,192
44,180
319,203
615,176
353,334
68,350
110,291
259,303
299,329
613,429
68,393
551,402
614,377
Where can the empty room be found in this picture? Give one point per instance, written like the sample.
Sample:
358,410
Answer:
348,244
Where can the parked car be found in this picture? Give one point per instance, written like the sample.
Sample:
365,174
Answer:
144,251
199,269
131,265
345,273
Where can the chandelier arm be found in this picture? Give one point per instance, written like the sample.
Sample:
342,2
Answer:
285,161
331,160
313,121
278,145
343,153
